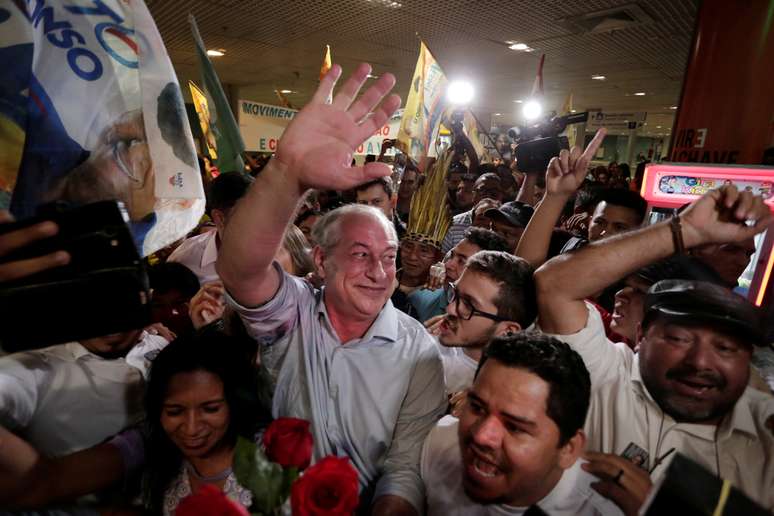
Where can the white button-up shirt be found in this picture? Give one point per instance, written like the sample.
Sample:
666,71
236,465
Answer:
199,254
442,475
622,411
63,398
373,399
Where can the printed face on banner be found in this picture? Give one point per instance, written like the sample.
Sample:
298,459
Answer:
94,112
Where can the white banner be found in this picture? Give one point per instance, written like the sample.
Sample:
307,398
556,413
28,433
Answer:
615,121
262,126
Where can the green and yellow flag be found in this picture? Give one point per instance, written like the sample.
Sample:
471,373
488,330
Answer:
228,139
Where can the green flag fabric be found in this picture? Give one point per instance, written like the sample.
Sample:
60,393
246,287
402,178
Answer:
228,139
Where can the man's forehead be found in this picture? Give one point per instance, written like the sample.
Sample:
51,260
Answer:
615,211
697,327
516,391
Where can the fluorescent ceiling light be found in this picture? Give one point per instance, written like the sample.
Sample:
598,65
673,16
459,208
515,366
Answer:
286,91
518,101
598,77
639,94
216,52
672,107
520,46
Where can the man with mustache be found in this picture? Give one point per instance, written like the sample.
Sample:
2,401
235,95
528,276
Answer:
686,389
516,445
495,295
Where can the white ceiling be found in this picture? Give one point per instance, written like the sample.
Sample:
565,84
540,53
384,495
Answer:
280,45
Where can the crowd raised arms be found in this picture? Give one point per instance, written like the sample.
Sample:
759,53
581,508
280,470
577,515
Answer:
468,346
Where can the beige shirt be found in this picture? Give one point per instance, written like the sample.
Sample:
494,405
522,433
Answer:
622,411
199,254
63,398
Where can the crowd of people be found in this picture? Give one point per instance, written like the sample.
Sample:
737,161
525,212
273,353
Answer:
473,339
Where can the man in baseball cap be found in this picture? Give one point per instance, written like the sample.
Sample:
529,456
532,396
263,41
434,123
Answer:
509,221
686,388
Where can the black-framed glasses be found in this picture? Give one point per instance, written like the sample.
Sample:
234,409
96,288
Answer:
463,307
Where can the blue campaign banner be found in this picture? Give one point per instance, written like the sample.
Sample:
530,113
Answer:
90,109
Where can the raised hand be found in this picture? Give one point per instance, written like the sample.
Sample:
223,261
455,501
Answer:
207,305
623,482
566,172
720,216
318,144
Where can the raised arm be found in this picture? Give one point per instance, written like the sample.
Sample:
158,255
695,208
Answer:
565,281
464,142
563,177
254,232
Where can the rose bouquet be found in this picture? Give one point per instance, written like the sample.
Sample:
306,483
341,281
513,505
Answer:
278,472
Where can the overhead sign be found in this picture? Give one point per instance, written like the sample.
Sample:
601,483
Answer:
262,126
618,121
389,131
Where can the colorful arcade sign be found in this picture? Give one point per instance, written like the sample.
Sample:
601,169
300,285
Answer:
671,185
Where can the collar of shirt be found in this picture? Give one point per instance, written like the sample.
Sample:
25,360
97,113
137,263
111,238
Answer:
741,417
210,253
464,218
384,327
77,351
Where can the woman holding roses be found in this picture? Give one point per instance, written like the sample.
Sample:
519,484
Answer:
204,391
202,394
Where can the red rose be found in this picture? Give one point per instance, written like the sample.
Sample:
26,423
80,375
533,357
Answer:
209,501
329,488
288,442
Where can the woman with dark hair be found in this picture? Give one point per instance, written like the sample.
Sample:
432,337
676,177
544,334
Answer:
202,394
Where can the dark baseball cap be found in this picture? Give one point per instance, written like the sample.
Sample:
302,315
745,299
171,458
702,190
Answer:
700,303
514,213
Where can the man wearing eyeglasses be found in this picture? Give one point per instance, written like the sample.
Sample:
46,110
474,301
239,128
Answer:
494,296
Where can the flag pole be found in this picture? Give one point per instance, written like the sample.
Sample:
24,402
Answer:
478,122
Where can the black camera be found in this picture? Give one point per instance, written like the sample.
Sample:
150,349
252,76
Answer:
538,143
103,290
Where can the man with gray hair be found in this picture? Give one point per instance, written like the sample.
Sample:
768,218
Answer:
367,377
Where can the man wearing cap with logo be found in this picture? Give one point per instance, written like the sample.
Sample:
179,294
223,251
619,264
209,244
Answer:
509,221
686,389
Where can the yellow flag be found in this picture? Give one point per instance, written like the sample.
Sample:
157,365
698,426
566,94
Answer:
203,112
567,107
327,63
424,108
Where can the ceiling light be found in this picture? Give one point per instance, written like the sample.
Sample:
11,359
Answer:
497,114
532,110
459,92
369,76
658,127
286,91
573,111
639,94
672,107
216,52
598,77
386,3
518,101
520,46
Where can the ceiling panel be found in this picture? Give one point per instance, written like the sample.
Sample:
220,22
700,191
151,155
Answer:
280,45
